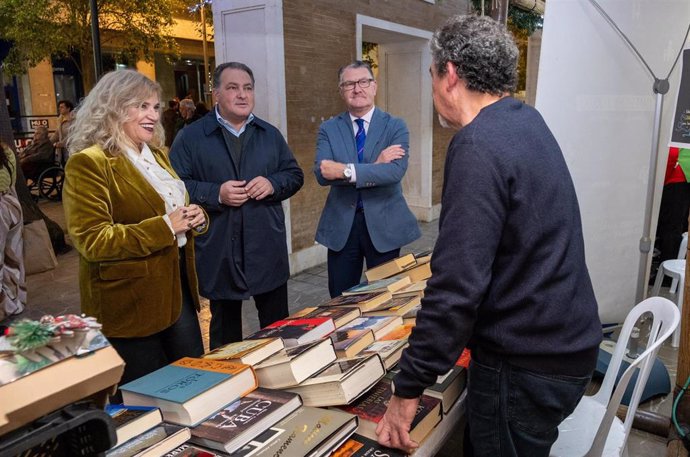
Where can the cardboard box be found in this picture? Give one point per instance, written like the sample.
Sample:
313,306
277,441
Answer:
58,385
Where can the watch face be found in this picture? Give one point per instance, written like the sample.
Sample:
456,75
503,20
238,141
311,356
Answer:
347,173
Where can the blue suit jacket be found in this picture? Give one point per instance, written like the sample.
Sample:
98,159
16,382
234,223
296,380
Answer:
390,222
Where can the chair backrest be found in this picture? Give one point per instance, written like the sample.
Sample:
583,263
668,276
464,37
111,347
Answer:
683,249
665,317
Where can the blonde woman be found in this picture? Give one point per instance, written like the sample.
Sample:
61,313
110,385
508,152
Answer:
12,285
129,218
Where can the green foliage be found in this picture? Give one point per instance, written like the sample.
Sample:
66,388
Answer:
41,29
521,19
27,334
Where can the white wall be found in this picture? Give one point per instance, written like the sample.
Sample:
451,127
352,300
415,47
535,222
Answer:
596,97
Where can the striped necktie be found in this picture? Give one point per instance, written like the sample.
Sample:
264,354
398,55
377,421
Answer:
360,139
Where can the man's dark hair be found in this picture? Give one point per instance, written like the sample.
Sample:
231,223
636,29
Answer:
233,65
172,104
483,52
355,64
67,103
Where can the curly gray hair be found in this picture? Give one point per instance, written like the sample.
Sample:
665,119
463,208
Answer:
482,50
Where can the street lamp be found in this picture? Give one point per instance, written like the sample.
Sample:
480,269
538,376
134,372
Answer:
201,7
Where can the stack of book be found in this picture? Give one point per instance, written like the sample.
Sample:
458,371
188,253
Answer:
316,383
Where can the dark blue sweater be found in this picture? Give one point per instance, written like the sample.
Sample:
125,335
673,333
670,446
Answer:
509,277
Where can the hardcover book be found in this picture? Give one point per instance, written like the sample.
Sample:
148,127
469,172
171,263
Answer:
341,382
249,352
293,365
390,268
381,285
237,424
371,407
131,421
310,432
361,446
389,351
365,302
380,325
296,331
341,315
397,306
154,443
348,343
190,389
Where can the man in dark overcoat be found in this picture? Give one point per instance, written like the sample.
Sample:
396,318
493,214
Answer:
240,169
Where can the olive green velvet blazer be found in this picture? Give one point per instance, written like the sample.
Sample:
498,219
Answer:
129,272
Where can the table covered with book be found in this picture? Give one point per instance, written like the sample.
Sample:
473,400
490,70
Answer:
316,383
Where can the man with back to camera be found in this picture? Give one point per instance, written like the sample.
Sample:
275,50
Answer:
362,154
240,169
509,278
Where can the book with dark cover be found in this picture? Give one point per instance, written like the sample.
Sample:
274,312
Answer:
340,382
186,390
153,443
341,315
237,424
131,421
371,407
448,387
361,446
348,343
310,432
296,331
249,352
293,365
365,302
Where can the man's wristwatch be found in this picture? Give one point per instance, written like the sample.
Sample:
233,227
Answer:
347,173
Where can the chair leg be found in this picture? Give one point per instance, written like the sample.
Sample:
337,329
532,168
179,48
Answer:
658,281
674,285
675,340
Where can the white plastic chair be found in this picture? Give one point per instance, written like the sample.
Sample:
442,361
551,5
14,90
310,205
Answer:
593,428
675,268
682,253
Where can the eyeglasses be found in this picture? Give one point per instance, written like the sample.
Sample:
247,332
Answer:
363,83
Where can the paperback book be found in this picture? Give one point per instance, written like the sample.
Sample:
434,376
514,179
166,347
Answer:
350,342
371,407
341,315
153,443
390,268
293,365
237,424
448,387
381,285
389,351
296,331
341,382
397,306
131,421
310,432
365,302
249,352
380,325
361,446
189,390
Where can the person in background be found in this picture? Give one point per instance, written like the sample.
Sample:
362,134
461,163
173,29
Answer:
37,156
59,137
201,109
362,155
129,218
240,168
12,278
509,278
171,117
187,114
673,211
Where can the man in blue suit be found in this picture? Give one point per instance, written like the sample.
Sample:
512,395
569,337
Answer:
362,154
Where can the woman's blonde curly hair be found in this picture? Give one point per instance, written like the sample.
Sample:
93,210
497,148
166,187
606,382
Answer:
100,116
